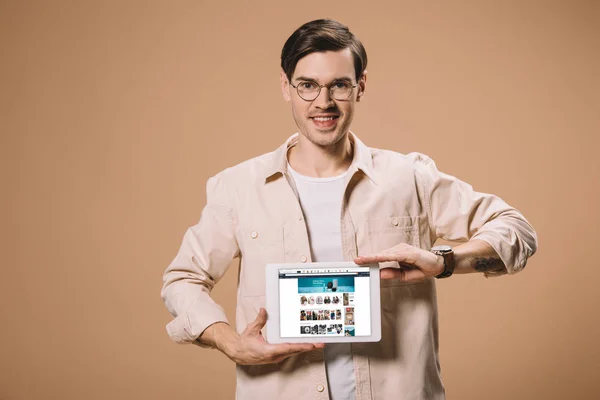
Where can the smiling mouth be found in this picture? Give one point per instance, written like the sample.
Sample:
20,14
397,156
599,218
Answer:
325,119
325,122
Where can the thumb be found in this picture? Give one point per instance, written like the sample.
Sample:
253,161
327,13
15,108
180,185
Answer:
259,322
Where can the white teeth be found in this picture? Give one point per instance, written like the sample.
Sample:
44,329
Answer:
323,118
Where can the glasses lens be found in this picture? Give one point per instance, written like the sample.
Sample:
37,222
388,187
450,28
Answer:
341,90
308,90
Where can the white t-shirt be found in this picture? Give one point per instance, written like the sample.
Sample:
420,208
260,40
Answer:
321,201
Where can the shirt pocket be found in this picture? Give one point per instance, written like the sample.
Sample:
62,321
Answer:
386,232
259,246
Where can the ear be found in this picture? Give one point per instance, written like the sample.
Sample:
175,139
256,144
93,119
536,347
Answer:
362,83
285,87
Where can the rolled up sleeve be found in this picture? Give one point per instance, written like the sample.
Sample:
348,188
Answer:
206,252
456,212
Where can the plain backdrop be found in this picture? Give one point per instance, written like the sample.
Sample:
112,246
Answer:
113,114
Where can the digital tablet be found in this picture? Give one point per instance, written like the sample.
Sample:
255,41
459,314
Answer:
323,302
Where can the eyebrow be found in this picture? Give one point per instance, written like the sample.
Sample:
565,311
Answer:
343,78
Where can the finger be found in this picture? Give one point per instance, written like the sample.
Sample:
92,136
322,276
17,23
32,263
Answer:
289,348
279,359
414,275
315,346
404,256
371,258
403,274
259,322
269,359
276,350
391,273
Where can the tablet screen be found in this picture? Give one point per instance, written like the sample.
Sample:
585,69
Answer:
324,302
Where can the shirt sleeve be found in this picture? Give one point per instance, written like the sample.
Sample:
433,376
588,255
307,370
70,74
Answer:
206,252
458,213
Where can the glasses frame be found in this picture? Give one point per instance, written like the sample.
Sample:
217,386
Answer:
329,86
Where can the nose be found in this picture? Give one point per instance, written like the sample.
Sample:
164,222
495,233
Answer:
324,99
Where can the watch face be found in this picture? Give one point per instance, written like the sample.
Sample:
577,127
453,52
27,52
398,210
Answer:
443,248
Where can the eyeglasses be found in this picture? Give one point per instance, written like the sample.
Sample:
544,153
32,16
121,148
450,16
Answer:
338,90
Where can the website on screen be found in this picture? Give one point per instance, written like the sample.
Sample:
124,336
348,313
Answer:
324,302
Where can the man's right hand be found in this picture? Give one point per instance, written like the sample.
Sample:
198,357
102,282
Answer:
250,347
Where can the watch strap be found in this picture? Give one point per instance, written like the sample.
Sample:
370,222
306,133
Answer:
449,263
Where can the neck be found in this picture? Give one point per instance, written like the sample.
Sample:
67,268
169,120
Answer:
313,160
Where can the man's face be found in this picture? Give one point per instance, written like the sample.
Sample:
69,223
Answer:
324,120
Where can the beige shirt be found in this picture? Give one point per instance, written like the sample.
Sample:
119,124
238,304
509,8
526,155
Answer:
253,213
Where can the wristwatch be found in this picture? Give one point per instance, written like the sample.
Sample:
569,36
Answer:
449,262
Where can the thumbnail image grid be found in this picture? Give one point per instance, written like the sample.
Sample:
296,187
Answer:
336,292
322,329
320,315
309,300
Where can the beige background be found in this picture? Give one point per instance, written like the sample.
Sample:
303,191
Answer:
114,113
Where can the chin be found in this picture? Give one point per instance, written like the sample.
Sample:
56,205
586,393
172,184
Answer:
325,141
325,138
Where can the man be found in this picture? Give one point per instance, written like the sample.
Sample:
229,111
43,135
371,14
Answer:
325,196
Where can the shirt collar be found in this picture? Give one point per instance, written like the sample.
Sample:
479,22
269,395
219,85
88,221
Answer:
361,159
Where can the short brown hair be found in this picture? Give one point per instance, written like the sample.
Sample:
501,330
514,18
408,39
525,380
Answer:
321,35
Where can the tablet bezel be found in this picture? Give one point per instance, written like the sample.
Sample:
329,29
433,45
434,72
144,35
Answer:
272,303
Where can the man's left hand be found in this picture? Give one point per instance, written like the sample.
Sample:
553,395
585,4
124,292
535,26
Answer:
415,263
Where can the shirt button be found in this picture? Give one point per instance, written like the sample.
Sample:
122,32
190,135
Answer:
303,258
395,221
320,388
254,235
